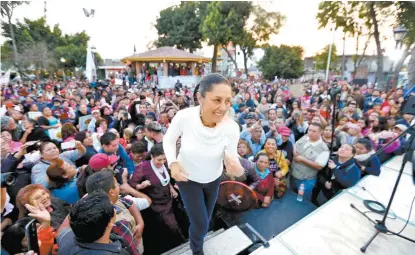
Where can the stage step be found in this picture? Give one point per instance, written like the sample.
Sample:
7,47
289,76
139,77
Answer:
226,242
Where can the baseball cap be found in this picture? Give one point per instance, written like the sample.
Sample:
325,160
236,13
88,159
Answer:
284,131
402,127
101,160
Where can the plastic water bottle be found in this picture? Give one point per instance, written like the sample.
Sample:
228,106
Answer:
300,193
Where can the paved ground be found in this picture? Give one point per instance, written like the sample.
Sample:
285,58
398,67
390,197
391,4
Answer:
297,90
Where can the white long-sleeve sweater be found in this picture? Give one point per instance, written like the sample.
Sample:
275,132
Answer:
202,149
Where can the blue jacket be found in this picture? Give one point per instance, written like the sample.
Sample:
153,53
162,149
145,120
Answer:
68,192
346,174
127,162
374,167
370,102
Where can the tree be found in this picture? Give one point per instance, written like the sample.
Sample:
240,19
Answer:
7,8
358,57
404,13
247,44
350,15
284,61
264,24
35,38
224,23
322,58
178,26
411,69
37,56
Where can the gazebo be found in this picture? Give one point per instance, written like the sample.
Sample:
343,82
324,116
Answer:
167,59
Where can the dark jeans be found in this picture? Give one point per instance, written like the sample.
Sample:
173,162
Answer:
199,201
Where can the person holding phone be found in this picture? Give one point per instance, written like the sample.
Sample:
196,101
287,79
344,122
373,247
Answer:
209,138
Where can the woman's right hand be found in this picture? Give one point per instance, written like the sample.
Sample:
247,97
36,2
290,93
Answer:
178,173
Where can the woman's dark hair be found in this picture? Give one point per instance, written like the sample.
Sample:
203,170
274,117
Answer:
365,142
260,155
81,180
13,236
383,125
140,119
157,150
68,130
99,123
43,145
89,217
55,173
32,121
209,81
103,109
269,138
138,147
102,180
8,131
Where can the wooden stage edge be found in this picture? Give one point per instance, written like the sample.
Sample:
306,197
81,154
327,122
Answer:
337,228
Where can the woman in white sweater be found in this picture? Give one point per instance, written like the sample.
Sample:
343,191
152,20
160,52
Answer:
209,138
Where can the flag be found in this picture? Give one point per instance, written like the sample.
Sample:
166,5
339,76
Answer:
5,78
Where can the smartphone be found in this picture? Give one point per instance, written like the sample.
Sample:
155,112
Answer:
68,145
31,235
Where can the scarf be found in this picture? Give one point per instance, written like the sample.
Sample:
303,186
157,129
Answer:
363,157
262,175
164,180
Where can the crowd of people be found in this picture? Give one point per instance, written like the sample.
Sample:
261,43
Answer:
87,161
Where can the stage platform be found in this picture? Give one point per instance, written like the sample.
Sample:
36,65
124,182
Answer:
269,222
336,228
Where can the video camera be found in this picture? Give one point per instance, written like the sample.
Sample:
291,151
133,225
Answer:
8,179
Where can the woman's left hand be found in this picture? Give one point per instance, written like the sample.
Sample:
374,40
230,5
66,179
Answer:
78,145
332,165
40,213
137,233
173,193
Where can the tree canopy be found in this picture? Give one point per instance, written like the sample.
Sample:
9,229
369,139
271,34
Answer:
178,26
284,61
41,46
322,58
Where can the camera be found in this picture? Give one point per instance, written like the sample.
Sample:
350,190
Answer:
160,93
8,179
118,171
33,147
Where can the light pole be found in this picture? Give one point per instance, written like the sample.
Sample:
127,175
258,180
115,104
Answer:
63,61
399,34
329,56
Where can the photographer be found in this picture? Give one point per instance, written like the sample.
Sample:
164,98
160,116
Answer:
297,124
19,173
122,121
345,173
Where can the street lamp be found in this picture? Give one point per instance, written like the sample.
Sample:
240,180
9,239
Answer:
398,34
